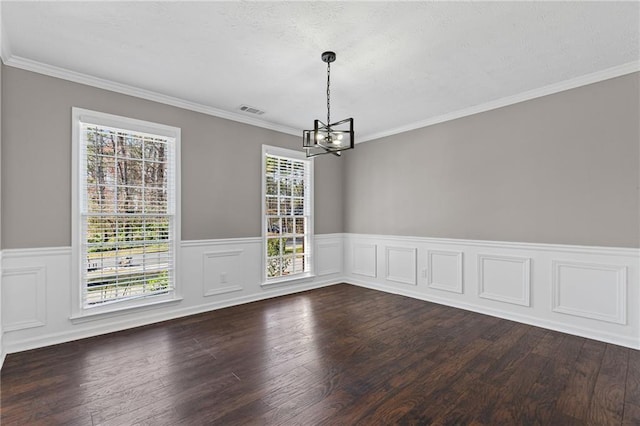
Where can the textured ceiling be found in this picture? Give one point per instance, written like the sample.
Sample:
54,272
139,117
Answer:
399,63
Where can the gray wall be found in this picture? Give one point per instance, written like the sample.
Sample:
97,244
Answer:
559,169
221,164
562,168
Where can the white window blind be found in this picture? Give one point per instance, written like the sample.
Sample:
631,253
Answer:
287,210
127,200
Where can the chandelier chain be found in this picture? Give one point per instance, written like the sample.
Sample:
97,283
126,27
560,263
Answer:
328,93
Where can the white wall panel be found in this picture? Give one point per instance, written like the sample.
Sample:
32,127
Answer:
222,272
504,278
444,270
590,290
401,264
365,259
329,255
2,351
23,297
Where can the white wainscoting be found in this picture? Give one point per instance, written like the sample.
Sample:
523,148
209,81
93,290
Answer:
586,291
329,255
401,264
2,351
504,278
591,290
24,294
36,292
364,260
444,270
223,271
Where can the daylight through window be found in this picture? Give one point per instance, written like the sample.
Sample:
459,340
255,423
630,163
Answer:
287,216
127,214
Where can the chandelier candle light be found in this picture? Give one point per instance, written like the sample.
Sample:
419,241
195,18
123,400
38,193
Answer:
330,138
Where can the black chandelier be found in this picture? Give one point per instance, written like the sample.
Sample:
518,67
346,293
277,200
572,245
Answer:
329,138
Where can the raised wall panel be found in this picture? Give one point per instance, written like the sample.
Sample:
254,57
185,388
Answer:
364,260
23,297
504,278
444,270
401,264
222,272
590,290
329,258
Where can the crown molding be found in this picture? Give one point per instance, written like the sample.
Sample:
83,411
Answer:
584,80
76,77
65,74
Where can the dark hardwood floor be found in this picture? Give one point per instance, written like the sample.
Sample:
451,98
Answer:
340,355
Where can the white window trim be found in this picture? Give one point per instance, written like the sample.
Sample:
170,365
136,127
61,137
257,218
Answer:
298,278
78,311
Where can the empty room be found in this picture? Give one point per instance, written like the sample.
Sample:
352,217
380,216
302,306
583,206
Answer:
319,213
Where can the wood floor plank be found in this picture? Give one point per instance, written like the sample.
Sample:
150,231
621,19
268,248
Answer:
607,404
477,398
423,383
575,399
340,355
632,390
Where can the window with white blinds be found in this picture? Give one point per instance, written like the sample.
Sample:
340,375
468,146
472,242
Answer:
287,214
127,210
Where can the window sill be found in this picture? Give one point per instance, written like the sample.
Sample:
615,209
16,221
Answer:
298,279
88,315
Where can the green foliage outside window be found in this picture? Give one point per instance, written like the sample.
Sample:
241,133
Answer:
276,265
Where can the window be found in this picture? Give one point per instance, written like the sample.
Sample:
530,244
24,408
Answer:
287,214
126,227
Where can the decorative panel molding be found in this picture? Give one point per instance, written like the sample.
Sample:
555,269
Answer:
444,270
365,259
504,278
590,290
361,252
24,297
401,264
201,265
222,272
328,258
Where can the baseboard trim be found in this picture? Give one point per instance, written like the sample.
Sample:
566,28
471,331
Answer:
525,319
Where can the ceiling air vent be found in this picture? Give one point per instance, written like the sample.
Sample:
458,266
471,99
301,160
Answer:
251,110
